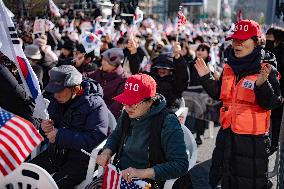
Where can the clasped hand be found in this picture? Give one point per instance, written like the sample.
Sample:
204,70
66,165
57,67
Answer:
48,128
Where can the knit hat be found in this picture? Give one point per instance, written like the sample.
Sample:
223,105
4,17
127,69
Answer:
137,88
113,56
62,77
32,52
163,61
69,45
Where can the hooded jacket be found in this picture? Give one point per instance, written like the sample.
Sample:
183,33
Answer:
171,86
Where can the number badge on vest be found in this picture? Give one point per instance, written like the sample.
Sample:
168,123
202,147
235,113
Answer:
248,84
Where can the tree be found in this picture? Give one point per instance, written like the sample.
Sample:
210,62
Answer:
27,7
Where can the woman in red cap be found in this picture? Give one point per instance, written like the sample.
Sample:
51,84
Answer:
249,89
148,140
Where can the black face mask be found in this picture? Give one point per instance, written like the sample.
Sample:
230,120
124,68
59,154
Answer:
269,45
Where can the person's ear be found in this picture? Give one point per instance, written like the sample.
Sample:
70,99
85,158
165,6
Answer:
76,89
88,60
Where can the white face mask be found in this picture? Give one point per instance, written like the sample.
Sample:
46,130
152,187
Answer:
73,96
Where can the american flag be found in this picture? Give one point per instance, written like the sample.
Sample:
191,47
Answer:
18,138
114,180
181,20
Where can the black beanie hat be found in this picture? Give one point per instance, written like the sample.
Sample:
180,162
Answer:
69,45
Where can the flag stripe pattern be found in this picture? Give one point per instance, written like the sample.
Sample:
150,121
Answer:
113,180
18,137
28,77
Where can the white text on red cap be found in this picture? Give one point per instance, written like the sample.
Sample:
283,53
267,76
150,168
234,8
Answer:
241,27
131,86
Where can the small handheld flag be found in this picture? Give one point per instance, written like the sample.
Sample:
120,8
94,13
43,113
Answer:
11,48
138,16
91,42
113,180
54,9
181,21
239,15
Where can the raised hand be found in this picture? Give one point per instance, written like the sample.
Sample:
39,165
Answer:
201,67
263,75
177,50
132,45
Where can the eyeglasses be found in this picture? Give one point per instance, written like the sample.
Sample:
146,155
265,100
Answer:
135,106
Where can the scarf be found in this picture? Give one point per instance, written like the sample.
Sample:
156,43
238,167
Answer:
249,63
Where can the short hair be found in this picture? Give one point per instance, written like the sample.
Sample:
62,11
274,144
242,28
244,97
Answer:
90,55
198,38
277,32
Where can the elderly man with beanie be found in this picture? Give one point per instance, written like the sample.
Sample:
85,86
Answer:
249,89
78,120
111,77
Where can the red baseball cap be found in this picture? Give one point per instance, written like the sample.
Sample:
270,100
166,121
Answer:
137,88
246,29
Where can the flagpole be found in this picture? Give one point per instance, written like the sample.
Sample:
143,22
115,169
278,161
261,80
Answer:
177,36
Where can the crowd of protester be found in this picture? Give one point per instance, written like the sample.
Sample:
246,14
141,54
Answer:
83,86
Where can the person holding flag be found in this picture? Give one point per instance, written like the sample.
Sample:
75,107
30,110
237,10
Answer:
78,120
148,140
85,54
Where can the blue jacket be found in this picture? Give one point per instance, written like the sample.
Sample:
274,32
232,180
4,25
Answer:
135,150
86,125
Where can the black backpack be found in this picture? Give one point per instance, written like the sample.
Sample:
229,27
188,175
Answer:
156,154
